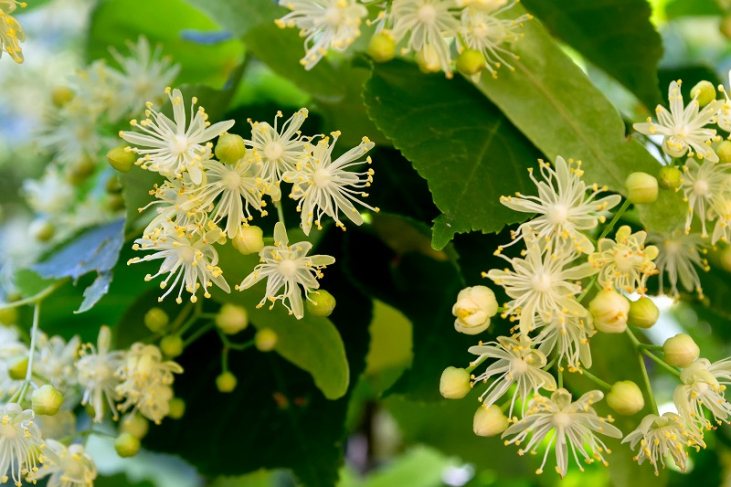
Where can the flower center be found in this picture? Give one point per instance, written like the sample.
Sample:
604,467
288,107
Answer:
186,254
273,151
701,187
542,282
625,260
322,177
562,420
427,14
178,144
8,431
701,387
287,268
231,180
557,214
673,248
334,15
518,366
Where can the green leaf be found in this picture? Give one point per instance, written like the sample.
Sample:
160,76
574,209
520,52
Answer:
692,8
120,480
628,48
457,140
420,466
262,478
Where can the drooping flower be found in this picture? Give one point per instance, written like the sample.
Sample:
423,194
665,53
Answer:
562,208
569,337
702,184
287,266
625,264
659,437
96,374
21,445
326,187
55,360
68,467
678,256
683,127
517,363
564,424
11,33
703,387
174,146
280,148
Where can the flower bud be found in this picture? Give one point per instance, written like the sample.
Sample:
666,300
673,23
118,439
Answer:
8,316
126,445
80,171
41,230
18,368
156,319
625,398
320,303
121,158
115,202
725,261
226,382
473,309
231,319
704,92
135,424
680,350
172,345
382,47
641,188
265,340
669,177
113,185
471,62
61,95
723,150
643,313
230,148
610,310
455,383
428,60
177,408
46,400
725,26
489,421
250,240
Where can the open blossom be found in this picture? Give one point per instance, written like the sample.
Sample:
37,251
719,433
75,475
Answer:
678,256
703,387
326,187
11,33
659,437
564,425
96,368
325,24
280,148
68,466
52,194
563,208
517,363
173,146
702,184
287,266
55,360
569,337
20,444
625,264
174,202
683,127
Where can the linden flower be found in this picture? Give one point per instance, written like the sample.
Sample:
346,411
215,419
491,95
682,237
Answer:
20,444
625,264
562,208
11,33
55,360
288,266
678,256
542,283
427,24
564,423
659,437
517,363
189,258
569,336
68,467
326,187
703,387
175,146
702,184
683,127
325,24
724,114
96,371
280,148
51,194
175,202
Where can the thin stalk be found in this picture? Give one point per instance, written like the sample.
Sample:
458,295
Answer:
661,363
595,379
648,385
31,354
197,334
616,218
36,298
280,211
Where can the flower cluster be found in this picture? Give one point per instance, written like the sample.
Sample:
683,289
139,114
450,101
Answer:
11,33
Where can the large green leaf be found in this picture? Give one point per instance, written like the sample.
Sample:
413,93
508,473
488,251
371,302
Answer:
628,48
465,148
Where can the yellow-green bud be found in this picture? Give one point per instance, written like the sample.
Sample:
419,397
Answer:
725,27
46,400
725,260
61,95
250,240
8,316
126,445
115,202
382,47
680,350
723,150
610,310
265,340
231,319
156,319
113,186
473,309
321,303
226,382
121,158
230,148
454,383
669,177
428,60
42,229
643,313
172,345
135,424
18,368
489,421
641,188
177,408
625,398
704,92
471,62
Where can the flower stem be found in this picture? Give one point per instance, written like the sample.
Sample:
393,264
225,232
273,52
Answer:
36,298
643,367
197,334
280,211
31,353
616,218
595,379
661,363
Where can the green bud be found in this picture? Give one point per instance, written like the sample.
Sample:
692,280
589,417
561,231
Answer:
135,425
725,27
42,229
643,313
8,316
724,151
680,350
454,383
230,148
126,445
471,62
382,47
642,188
321,303
250,240
231,319
115,202
46,400
177,408
625,398
80,171
226,382
156,319
669,177
725,260
489,421
61,95
172,345
113,185
121,158
428,60
704,92
265,340
610,310
18,368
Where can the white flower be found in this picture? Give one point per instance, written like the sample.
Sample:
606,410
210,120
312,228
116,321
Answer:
517,363
541,284
325,24
52,194
724,114
97,367
20,445
569,336
625,264
702,184
563,423
175,203
703,387
174,145
287,266
683,127
326,187
68,467
473,309
562,208
55,360
11,33
280,148
658,437
189,258
427,24
678,256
